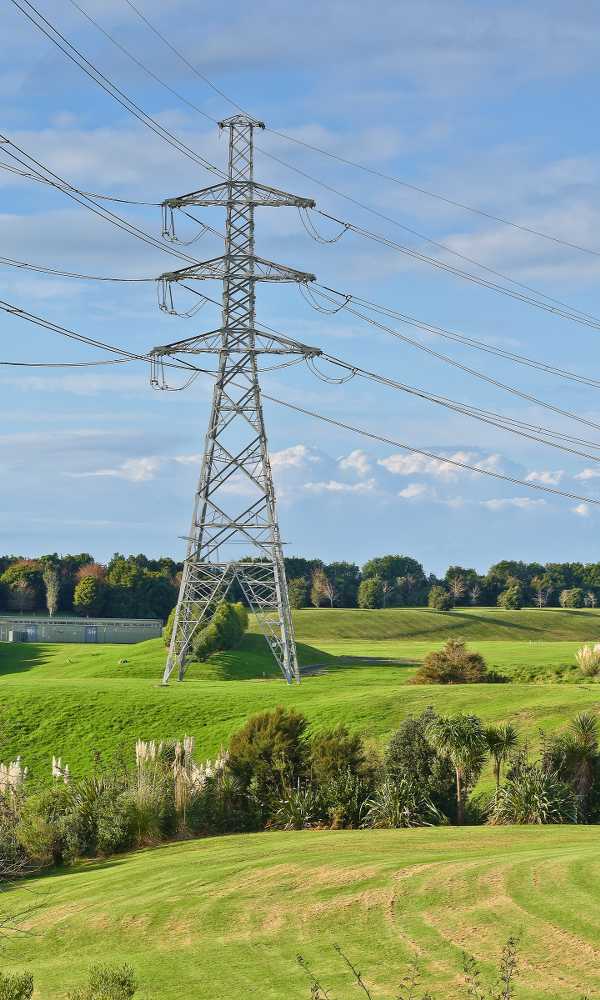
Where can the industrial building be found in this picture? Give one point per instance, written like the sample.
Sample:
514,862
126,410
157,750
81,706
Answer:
40,628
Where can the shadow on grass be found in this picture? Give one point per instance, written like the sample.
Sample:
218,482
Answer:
19,657
253,660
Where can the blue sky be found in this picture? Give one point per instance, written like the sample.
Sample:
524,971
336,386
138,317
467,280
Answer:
490,104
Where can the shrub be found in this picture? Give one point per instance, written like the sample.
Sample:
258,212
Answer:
108,983
333,751
41,827
533,795
224,631
411,757
270,752
222,805
439,599
16,987
454,664
400,804
572,598
588,660
300,807
343,798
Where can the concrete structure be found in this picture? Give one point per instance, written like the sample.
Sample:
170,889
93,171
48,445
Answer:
40,628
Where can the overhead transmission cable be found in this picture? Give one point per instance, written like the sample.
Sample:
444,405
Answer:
565,311
72,53
428,454
353,163
90,204
457,364
88,194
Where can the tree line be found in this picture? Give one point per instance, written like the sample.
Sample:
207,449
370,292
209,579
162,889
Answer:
135,586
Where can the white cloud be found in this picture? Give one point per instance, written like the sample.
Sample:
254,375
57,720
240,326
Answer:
522,503
357,461
188,459
582,510
334,486
409,465
135,470
413,490
546,477
588,473
295,457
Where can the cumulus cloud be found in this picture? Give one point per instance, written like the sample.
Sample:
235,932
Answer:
296,457
521,503
413,490
357,461
588,474
546,477
410,465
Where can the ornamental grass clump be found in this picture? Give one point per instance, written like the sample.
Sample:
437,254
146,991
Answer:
533,795
588,660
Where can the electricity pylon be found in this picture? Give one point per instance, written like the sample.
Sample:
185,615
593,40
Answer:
235,498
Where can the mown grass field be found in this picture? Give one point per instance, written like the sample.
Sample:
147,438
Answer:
224,918
75,701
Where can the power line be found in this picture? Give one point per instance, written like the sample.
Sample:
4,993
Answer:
141,65
109,87
88,202
565,311
25,265
345,225
88,194
352,163
469,371
428,454
467,341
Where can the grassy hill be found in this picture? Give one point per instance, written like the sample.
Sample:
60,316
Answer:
224,918
75,700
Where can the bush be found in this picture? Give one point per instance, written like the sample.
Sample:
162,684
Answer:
400,804
343,799
300,807
411,757
41,830
455,664
533,795
270,752
16,987
108,983
333,751
225,630
573,598
588,660
439,599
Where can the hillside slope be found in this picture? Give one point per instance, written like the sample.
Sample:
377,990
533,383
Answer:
224,918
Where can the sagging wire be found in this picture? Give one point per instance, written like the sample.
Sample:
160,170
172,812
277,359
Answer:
309,297
158,378
311,363
168,231
314,233
166,303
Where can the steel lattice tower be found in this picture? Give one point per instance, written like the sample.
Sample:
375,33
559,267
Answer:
235,498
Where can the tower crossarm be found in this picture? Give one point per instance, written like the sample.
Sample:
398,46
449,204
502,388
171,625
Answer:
246,268
240,193
212,343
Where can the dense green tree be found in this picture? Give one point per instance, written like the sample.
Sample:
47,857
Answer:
345,577
511,599
410,756
298,590
333,751
575,757
370,593
90,596
24,586
439,599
